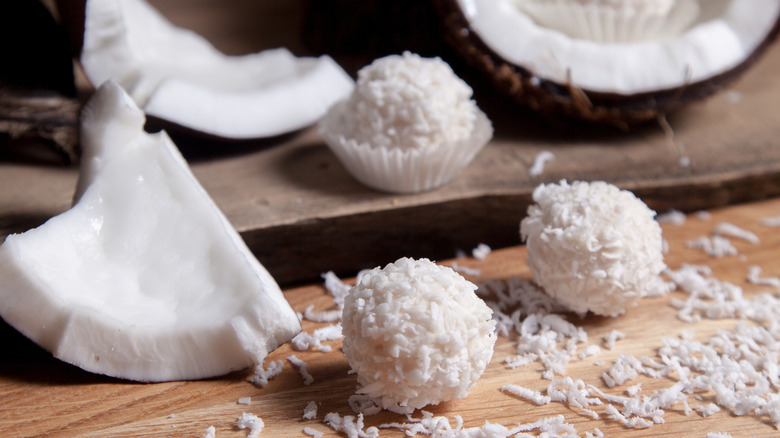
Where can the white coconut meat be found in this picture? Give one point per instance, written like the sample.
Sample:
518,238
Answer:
722,35
176,75
143,278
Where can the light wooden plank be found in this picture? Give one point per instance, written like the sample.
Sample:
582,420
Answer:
39,395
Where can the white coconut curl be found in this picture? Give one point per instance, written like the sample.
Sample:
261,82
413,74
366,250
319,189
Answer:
593,246
416,334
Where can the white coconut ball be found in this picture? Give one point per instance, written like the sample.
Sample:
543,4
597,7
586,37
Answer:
592,246
416,334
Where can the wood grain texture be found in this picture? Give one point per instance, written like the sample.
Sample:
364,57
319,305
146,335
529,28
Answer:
40,396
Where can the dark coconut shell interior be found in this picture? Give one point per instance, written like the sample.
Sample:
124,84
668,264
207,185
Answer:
556,99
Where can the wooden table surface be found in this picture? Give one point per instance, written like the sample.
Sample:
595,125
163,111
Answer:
40,396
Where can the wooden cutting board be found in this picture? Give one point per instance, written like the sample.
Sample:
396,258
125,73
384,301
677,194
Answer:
40,396
302,214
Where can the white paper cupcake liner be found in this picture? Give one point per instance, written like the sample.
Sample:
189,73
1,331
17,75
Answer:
606,24
398,170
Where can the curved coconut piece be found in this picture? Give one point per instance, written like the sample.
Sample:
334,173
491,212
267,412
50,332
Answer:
620,83
143,278
176,75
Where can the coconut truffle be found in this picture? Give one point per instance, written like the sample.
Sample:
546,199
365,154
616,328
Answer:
592,246
409,125
416,334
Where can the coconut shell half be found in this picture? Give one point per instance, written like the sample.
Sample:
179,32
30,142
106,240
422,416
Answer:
566,98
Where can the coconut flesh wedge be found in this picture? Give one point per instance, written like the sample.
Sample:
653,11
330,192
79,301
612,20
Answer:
617,61
176,75
143,278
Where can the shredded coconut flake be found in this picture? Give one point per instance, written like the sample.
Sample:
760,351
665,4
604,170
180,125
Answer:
337,288
310,431
352,427
252,422
754,277
301,366
481,251
590,350
304,341
535,397
771,221
709,409
310,411
608,341
715,246
632,391
210,432
541,159
703,215
465,270
244,400
322,316
673,217
441,427
263,375
728,229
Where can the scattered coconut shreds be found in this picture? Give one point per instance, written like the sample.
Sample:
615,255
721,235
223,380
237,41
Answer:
728,229
322,316
465,270
263,375
575,393
305,341
535,397
310,411
632,391
771,221
703,215
301,366
252,422
337,288
718,435
715,246
440,427
710,298
590,350
673,217
481,251
544,336
313,432
707,410
244,400
608,341
754,277
625,368
352,427
541,159
210,432
363,404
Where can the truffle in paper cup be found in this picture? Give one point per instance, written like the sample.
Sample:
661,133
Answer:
410,125
399,170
